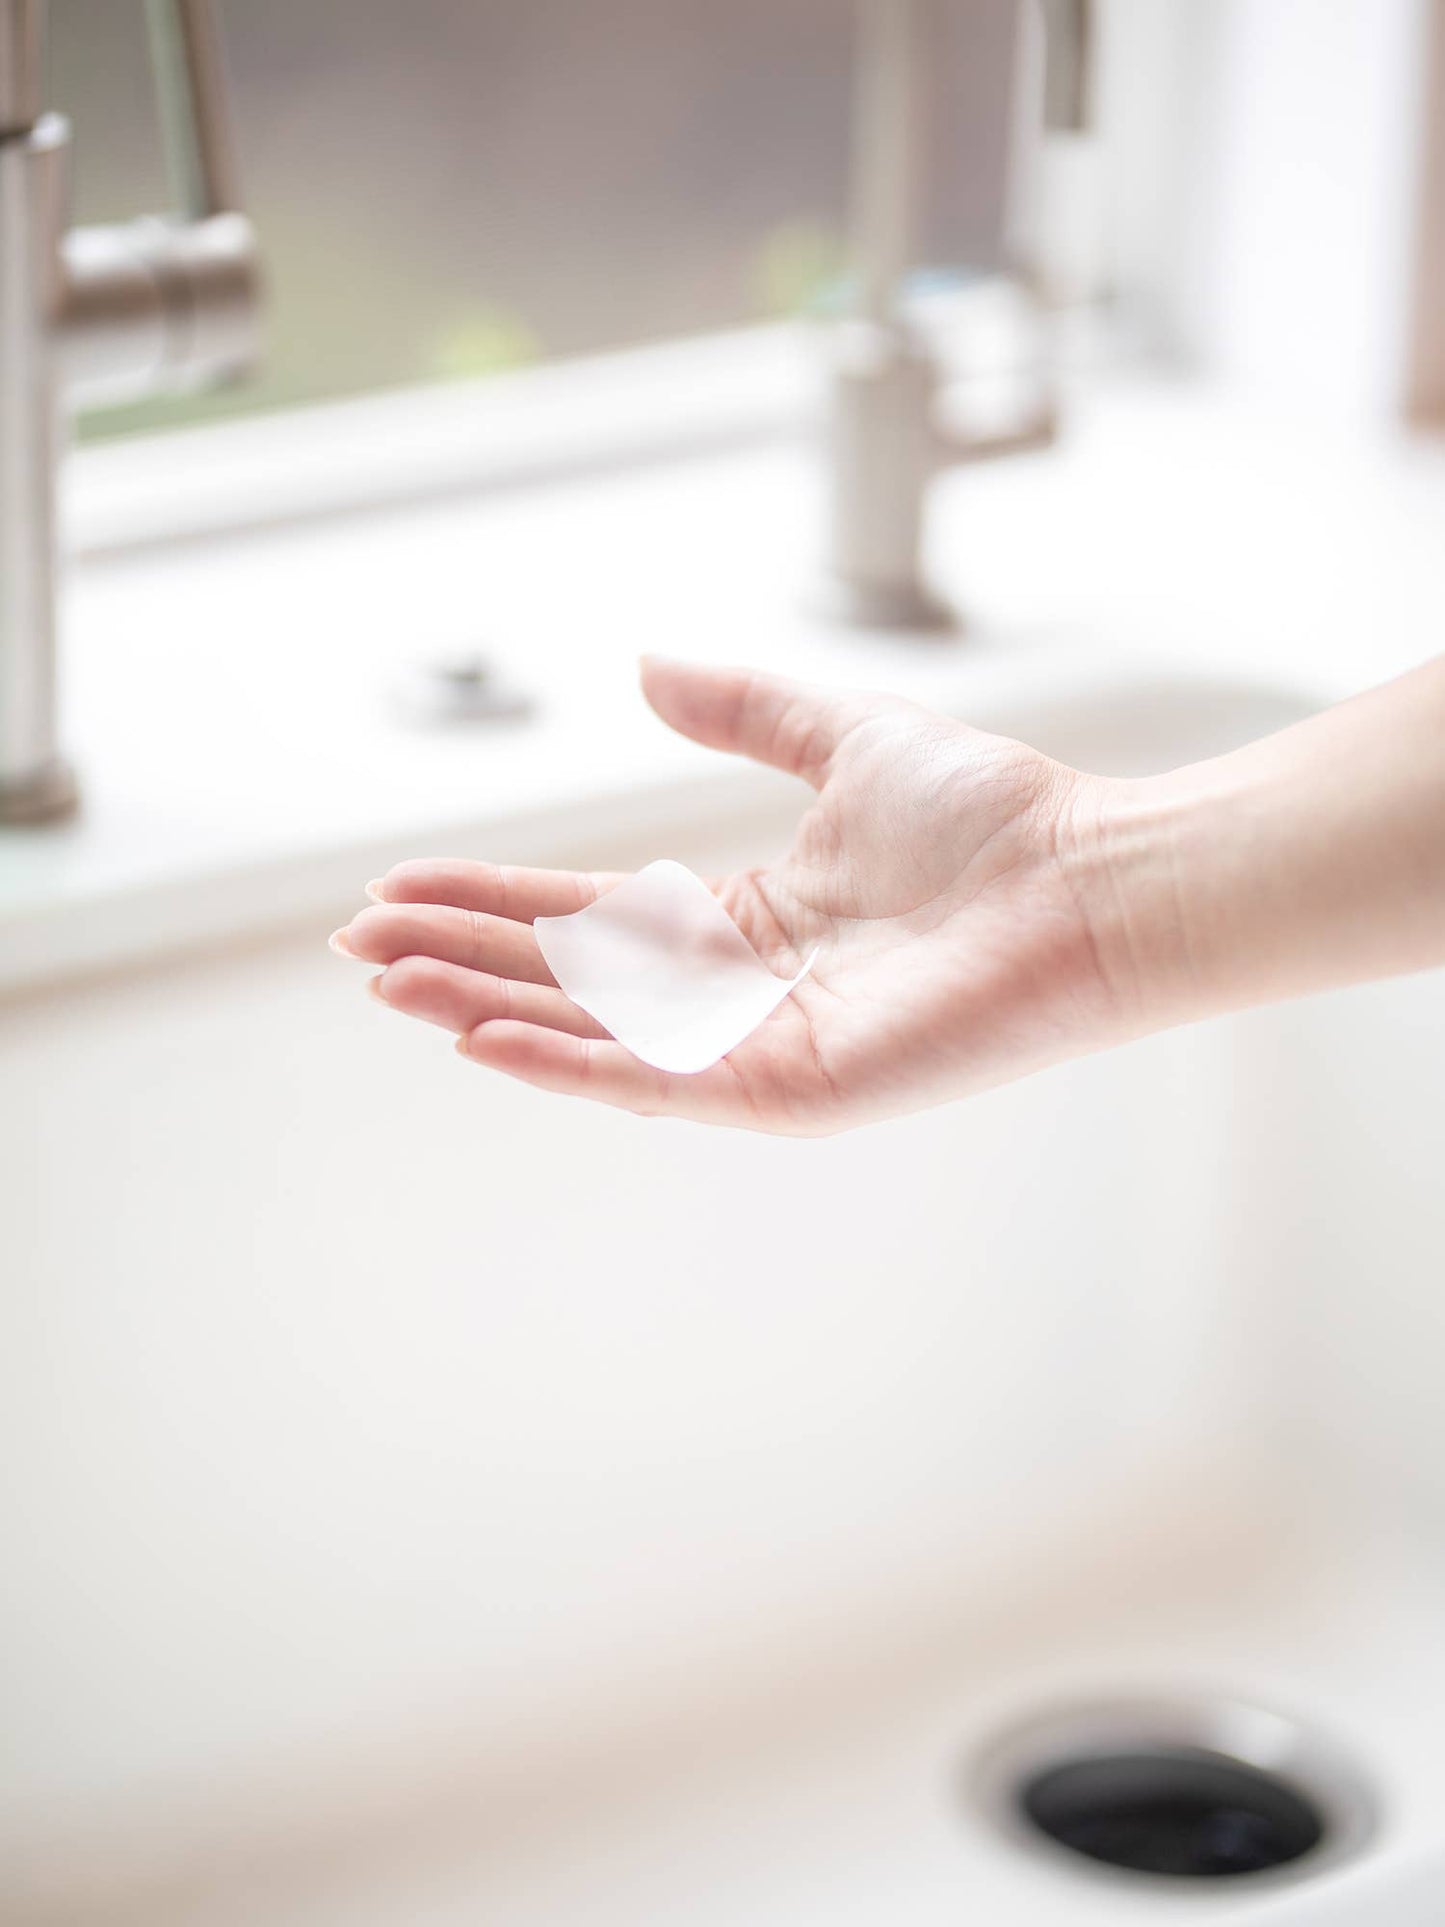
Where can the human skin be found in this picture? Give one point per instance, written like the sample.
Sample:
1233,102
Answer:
979,911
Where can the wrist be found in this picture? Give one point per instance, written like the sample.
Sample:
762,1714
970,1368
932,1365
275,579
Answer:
1143,864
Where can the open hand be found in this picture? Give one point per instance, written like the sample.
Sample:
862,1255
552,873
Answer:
948,880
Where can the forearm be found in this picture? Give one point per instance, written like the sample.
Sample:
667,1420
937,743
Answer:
1313,858
975,912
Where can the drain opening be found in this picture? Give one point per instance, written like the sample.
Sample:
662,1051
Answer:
1177,1812
1183,1789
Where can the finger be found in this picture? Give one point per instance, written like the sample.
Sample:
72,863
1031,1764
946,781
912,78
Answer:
459,999
387,932
497,889
604,1071
797,727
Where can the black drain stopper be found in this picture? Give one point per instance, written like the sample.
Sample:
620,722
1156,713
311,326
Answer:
1173,1810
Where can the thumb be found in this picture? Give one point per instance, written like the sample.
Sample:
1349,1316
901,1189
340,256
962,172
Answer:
795,726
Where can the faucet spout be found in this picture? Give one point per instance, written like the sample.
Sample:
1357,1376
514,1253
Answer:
35,783
1068,50
97,314
884,443
20,66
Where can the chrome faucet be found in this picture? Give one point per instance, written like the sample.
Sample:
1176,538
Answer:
162,304
884,443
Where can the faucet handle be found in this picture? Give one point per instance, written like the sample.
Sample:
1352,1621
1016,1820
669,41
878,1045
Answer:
195,116
169,304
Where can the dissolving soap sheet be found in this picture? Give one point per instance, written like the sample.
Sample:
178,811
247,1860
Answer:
661,965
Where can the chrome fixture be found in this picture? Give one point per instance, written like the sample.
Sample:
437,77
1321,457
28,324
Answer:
1068,51
884,443
163,304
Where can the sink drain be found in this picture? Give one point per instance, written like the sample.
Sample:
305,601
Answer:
1172,1811
1183,1790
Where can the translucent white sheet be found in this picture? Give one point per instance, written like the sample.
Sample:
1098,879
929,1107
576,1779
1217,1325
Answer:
662,966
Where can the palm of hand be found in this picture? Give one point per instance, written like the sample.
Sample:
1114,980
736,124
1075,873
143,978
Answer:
930,877
931,874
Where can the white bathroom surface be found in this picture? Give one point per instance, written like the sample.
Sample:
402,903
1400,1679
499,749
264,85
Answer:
230,702
401,1535
833,1787
867,1819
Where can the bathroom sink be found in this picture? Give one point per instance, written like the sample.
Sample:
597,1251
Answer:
429,1502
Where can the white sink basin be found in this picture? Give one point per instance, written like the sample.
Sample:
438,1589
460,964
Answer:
432,1503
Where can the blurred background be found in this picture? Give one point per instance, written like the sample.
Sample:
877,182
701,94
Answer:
449,190
464,189
423,1502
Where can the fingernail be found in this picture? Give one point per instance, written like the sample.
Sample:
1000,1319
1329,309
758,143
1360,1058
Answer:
374,989
374,890
337,942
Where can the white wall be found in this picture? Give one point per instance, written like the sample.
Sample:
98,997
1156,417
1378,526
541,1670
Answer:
1264,169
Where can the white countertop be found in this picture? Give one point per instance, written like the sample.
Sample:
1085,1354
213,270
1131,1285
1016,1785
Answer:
244,766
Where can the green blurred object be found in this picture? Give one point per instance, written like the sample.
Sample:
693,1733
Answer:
798,267
484,342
